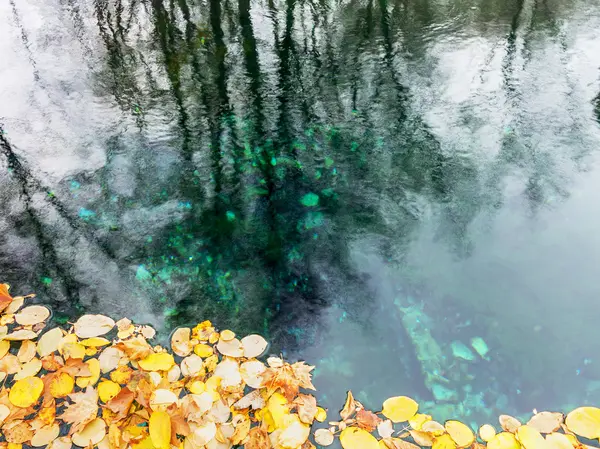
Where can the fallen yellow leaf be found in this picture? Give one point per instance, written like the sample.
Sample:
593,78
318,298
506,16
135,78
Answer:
160,429
399,408
355,438
584,421
25,392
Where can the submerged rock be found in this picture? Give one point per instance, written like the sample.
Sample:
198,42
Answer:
442,393
461,351
480,347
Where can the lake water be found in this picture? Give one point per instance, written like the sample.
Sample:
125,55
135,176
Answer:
372,185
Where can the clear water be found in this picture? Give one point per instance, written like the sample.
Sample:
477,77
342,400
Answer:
366,183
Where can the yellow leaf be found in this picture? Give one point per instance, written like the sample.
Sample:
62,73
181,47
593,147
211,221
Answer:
49,342
546,422
504,440
20,335
29,369
444,441
558,441
26,392
95,342
93,326
487,432
61,385
324,437
254,345
32,315
530,438
277,406
180,341
509,423
321,415
197,387
355,438
107,389
227,335
94,366
585,422
161,361
92,433
4,347
294,434
399,408
160,429
203,350
461,433
45,435
417,421
162,398
424,439
26,351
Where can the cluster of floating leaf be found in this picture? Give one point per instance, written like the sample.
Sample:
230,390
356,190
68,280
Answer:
102,384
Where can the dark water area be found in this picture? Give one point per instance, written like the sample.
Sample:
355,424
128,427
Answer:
374,186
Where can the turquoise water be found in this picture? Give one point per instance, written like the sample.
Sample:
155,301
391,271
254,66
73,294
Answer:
371,185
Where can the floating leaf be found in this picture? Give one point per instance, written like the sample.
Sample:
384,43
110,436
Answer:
4,412
546,422
417,421
230,348
462,435
504,440
84,381
160,429
61,385
487,432
251,373
385,429
509,423
49,341
29,369
254,345
530,438
366,419
294,434
399,408
26,392
23,334
161,361
107,389
162,398
27,351
180,341
91,434
204,434
321,415
93,326
444,441
32,315
324,437
83,409
355,438
558,441
45,435
584,421
95,342
110,358
203,350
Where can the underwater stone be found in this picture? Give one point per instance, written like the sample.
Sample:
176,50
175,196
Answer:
442,393
310,199
480,346
142,274
461,351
